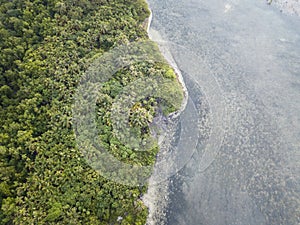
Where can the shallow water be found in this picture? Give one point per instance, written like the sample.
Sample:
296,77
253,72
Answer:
241,64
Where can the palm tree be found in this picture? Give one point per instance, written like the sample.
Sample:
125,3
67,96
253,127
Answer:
139,116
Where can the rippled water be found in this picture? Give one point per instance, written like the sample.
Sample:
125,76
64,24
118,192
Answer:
241,64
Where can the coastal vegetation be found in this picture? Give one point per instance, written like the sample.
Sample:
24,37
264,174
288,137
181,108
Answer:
46,46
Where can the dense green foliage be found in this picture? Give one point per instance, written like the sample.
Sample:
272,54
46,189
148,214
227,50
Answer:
141,113
46,45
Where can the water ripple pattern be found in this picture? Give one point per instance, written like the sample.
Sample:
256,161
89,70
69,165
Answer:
244,57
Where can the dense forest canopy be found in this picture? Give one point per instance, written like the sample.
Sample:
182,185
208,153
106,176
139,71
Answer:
46,45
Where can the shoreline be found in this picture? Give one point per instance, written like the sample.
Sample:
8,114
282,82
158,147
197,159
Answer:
156,199
170,60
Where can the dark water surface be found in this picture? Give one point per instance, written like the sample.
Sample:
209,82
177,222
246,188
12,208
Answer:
244,57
